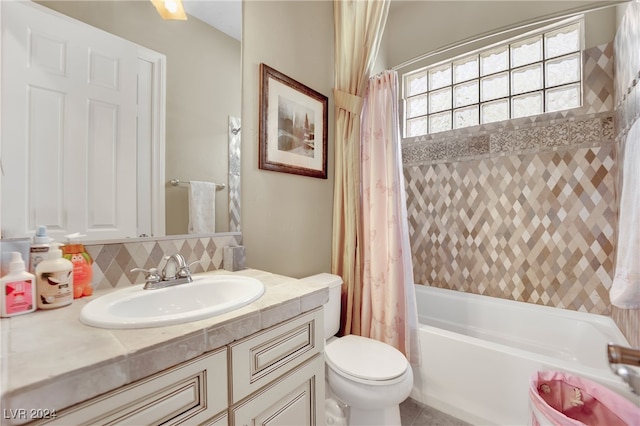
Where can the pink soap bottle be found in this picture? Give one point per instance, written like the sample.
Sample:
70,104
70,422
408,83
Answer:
18,289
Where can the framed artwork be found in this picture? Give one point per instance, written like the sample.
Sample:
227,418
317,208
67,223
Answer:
293,126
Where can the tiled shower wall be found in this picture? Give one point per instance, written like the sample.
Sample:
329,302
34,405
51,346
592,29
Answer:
523,209
627,101
113,261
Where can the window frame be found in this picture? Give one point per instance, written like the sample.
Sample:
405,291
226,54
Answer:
506,45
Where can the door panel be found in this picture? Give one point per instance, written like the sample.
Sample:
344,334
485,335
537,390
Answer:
68,126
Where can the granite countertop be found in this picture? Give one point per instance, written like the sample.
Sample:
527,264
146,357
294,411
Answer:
50,360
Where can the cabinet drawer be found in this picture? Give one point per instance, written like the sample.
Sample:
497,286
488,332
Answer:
193,392
259,359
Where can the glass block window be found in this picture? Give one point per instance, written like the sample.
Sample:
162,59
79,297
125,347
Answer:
521,77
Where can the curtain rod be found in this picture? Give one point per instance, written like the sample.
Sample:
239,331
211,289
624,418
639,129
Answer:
504,30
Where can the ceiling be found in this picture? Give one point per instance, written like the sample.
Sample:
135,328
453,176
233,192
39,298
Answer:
225,15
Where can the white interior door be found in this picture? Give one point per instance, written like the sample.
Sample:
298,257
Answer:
69,126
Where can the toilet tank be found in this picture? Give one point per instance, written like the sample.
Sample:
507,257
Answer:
332,307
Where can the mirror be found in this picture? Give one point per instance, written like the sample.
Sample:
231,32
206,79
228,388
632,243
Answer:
203,90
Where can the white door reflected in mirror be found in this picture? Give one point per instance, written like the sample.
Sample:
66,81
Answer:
202,91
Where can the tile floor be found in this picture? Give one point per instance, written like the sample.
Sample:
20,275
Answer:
413,413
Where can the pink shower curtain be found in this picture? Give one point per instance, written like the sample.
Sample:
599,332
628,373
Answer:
389,311
358,27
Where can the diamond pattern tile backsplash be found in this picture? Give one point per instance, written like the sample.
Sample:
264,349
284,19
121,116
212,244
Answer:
114,261
533,227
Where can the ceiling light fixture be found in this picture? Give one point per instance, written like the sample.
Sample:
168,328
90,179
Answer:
170,9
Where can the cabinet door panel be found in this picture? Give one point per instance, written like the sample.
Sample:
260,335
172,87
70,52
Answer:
190,394
68,126
257,360
296,399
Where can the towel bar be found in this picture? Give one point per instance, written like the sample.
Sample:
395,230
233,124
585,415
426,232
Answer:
176,182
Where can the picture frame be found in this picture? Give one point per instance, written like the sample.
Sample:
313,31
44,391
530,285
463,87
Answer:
292,126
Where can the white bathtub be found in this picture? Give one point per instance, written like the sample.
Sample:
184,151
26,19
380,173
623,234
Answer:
479,352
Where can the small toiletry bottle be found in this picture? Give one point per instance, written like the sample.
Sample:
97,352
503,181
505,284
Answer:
54,280
75,252
18,289
39,248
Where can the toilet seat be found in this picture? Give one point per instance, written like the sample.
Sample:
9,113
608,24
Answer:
366,360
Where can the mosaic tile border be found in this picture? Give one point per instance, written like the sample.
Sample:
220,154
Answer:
113,261
571,133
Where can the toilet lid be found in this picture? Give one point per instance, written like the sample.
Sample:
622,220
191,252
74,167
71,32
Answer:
365,358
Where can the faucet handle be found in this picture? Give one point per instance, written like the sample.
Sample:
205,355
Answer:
185,271
152,274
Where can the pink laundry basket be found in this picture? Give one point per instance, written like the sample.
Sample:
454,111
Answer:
558,398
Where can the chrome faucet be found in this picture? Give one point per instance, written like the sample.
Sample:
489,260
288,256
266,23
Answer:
620,361
176,271
175,267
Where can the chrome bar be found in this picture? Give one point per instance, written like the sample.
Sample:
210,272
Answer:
624,362
177,182
621,355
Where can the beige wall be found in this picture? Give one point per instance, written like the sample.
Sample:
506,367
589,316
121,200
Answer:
286,219
203,90
418,27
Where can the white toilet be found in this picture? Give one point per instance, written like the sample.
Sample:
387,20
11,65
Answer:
370,377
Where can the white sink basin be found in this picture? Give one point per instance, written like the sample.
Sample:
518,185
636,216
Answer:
205,297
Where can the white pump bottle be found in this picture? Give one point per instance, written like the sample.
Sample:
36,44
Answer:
54,277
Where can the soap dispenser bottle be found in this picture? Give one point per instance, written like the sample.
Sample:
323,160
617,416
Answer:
17,289
54,280
39,249
82,262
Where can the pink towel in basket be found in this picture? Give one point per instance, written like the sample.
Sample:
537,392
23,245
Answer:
561,399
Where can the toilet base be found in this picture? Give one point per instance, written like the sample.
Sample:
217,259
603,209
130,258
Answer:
370,404
390,416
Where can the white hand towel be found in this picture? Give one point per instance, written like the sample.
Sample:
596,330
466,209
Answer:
202,207
625,291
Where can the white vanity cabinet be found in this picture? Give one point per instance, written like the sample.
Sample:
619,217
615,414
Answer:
194,392
273,377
